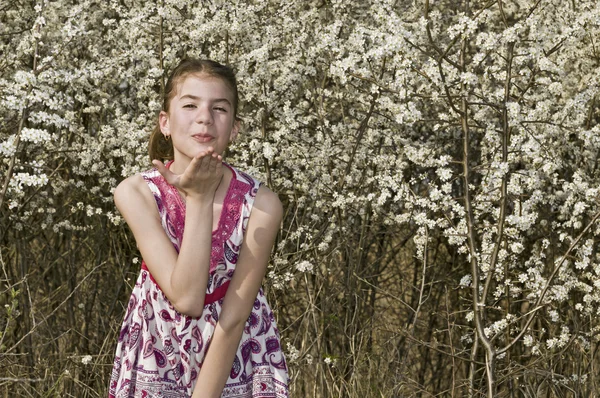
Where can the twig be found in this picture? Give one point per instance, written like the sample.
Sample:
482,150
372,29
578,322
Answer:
13,159
538,303
56,309
17,380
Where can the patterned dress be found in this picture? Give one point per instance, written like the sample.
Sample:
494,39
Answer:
160,351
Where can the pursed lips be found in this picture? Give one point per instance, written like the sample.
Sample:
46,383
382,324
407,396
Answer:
202,137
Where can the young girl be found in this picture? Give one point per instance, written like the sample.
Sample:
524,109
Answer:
198,323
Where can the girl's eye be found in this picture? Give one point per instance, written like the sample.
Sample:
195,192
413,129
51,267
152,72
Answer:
220,109
189,106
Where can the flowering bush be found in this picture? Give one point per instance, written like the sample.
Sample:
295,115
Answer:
437,161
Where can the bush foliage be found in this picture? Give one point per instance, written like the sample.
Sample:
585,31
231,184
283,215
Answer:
437,160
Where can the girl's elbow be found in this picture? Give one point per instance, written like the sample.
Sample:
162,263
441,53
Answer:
190,307
186,302
232,323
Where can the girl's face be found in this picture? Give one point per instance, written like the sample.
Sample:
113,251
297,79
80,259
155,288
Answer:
200,115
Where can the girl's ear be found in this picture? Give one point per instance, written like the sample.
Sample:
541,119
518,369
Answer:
235,130
163,122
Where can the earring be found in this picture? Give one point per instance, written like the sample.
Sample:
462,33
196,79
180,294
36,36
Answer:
167,137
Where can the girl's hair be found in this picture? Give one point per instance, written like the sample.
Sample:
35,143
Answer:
159,147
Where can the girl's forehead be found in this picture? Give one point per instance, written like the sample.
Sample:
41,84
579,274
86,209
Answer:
202,85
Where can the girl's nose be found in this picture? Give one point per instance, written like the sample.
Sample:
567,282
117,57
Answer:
204,115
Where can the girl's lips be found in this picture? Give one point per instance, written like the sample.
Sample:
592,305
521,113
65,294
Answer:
202,138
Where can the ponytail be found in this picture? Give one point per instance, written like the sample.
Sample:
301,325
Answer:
158,147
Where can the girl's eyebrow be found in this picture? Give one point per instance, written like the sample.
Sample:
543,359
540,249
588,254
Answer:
195,98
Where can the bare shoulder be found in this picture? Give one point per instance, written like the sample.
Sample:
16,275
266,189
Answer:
267,205
132,192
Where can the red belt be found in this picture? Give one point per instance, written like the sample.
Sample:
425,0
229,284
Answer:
209,298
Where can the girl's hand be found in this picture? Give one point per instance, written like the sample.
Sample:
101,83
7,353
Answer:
200,179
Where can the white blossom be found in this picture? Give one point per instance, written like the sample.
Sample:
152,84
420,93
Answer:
304,266
36,136
292,353
466,281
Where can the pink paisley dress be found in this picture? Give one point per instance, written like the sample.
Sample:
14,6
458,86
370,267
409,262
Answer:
160,351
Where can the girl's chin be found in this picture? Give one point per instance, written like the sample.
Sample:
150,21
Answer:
190,154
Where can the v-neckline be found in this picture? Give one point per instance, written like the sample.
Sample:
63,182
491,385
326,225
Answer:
181,201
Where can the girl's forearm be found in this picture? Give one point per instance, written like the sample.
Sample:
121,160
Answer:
190,274
218,362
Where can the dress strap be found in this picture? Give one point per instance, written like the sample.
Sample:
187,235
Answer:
170,211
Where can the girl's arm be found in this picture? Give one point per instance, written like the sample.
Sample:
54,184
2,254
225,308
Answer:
183,278
263,225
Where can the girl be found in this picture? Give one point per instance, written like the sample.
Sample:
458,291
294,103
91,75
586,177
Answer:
197,323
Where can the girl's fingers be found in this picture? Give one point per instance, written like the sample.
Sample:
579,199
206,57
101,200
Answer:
215,163
205,164
169,176
196,162
204,159
199,162
203,169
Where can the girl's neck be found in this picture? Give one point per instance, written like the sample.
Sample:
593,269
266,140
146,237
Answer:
178,166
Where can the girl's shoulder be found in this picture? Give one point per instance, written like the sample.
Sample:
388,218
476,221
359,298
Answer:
135,182
132,191
130,185
268,200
